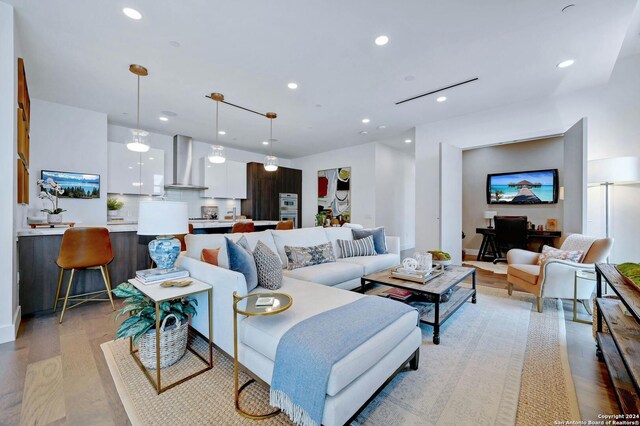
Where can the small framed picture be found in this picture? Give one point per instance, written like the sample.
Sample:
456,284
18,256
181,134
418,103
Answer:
552,225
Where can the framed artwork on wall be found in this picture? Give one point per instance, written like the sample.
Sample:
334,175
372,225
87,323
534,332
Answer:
75,185
334,192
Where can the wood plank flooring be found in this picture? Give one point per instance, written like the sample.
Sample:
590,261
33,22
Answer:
56,373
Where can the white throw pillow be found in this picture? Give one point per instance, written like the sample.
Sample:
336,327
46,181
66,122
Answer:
338,233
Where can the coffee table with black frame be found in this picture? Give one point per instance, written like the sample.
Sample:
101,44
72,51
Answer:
433,290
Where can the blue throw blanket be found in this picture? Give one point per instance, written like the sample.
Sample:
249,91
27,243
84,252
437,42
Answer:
307,352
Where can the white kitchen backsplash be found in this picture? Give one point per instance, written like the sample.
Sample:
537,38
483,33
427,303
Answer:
130,209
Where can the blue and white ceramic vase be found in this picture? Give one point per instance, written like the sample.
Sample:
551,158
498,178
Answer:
164,251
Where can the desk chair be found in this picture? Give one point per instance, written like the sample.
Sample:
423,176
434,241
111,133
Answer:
511,232
81,249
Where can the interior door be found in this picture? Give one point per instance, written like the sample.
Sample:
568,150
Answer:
575,179
451,201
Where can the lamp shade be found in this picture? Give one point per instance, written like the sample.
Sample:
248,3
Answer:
163,218
618,170
489,214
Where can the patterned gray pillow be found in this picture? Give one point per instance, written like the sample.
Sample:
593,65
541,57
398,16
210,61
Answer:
269,267
299,257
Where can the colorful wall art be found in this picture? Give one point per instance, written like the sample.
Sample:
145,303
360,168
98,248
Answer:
334,192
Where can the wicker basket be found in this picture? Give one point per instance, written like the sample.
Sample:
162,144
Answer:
173,344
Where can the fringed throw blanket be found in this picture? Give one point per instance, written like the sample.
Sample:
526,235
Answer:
307,352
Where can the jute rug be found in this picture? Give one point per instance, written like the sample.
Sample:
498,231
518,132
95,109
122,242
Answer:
492,355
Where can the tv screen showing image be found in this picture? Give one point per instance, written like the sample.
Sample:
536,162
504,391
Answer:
533,187
75,185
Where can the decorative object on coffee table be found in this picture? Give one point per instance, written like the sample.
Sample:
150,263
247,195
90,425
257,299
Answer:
433,308
254,304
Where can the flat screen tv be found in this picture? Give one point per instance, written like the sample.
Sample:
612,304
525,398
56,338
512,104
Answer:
75,185
532,187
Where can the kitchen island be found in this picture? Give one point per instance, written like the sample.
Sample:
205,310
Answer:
38,250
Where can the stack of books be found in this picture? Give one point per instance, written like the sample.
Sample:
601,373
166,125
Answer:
398,293
156,275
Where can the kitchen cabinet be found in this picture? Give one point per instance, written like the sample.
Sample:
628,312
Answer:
264,189
133,172
226,180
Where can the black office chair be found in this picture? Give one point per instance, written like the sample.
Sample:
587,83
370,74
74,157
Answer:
511,232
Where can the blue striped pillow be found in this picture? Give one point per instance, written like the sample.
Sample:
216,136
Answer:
361,247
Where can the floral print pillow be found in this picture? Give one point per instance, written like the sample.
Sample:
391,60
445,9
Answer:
554,253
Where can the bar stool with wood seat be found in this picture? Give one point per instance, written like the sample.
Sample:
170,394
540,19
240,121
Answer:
81,249
284,225
243,227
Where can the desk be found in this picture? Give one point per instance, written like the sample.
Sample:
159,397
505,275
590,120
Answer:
488,247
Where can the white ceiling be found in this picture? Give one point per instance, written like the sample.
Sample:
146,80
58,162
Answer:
77,52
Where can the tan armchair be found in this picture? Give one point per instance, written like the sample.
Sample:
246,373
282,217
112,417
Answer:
555,278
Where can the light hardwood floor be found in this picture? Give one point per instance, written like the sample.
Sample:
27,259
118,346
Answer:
56,373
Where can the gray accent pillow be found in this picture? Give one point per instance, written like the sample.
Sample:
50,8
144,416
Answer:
299,257
361,247
379,240
241,260
269,267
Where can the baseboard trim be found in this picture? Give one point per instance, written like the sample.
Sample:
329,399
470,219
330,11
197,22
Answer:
9,332
472,251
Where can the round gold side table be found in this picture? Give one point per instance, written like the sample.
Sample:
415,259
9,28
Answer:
246,305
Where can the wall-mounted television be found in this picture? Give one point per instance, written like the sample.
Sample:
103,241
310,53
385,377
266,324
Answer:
532,187
75,185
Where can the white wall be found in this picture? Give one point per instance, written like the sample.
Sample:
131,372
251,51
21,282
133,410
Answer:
613,130
395,194
9,309
69,139
477,163
361,159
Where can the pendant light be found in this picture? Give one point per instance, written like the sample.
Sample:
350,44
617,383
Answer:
271,162
217,152
138,139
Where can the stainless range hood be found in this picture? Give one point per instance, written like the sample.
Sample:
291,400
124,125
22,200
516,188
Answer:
183,164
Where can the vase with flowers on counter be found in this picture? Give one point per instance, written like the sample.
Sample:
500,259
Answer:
50,190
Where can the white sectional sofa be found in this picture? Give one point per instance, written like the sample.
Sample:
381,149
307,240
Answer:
314,289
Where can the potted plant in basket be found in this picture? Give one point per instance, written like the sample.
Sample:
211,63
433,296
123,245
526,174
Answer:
141,325
113,206
51,190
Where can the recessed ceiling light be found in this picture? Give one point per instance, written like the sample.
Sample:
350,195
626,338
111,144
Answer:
381,127
132,13
174,44
318,106
163,118
441,98
567,63
292,85
151,158
382,40
222,132
408,141
364,132
365,120
265,142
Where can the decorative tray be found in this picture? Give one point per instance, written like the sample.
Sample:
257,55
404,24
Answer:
417,276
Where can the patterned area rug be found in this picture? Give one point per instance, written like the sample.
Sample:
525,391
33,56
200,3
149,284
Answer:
492,355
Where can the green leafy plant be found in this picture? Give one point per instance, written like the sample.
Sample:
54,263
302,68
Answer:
143,311
114,204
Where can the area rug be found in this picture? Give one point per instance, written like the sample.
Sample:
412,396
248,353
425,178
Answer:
491,355
499,268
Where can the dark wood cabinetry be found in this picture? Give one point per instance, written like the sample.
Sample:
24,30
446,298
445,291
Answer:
264,188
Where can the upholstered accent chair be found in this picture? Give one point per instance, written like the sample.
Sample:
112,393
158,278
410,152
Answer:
555,277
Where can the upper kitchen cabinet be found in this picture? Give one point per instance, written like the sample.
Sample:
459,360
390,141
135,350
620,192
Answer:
133,172
226,180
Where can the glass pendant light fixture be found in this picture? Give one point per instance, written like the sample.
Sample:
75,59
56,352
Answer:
271,162
138,136
216,155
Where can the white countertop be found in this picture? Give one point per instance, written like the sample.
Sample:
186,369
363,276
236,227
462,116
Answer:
133,227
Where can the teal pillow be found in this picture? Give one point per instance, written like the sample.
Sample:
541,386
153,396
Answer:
241,260
379,239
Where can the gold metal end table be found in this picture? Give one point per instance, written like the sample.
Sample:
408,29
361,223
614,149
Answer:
246,305
158,295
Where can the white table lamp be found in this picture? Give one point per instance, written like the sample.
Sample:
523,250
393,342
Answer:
490,215
163,219
609,171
